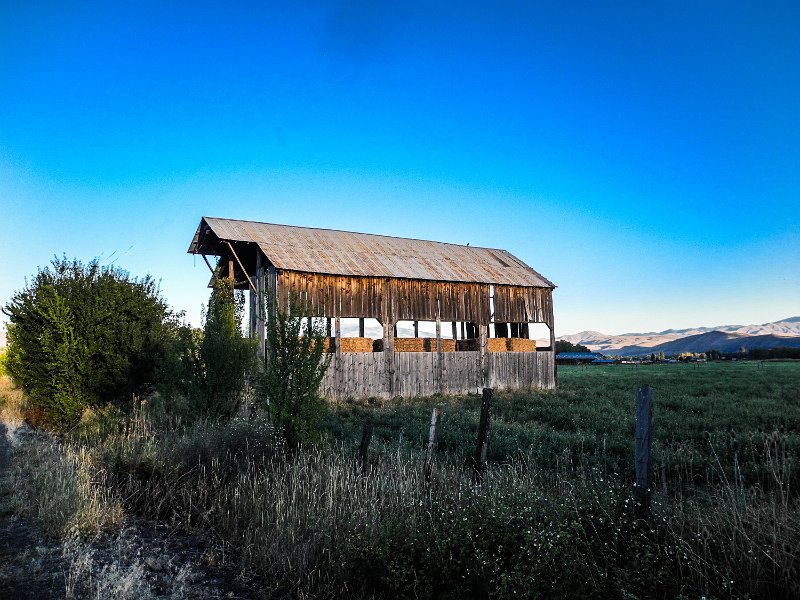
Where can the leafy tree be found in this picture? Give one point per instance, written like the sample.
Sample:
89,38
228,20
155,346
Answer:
296,364
565,346
226,357
85,335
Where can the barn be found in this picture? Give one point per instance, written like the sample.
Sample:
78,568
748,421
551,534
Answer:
478,304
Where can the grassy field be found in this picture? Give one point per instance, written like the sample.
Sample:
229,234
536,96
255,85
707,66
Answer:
554,517
704,417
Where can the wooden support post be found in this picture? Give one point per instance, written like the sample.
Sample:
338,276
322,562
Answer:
642,459
363,448
272,291
416,329
440,384
231,274
463,330
261,306
388,315
433,434
479,460
455,331
388,353
253,314
361,327
483,337
553,350
514,330
328,327
338,365
524,331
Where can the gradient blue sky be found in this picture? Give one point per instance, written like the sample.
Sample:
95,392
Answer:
644,156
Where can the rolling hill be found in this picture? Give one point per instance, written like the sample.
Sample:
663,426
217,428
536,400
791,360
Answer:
725,338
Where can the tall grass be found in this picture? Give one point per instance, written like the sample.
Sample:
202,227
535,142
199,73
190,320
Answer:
62,486
554,516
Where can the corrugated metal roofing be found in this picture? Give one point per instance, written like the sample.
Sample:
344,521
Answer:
311,250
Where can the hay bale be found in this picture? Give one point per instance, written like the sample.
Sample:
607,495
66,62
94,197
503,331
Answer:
520,345
472,345
355,344
327,343
448,345
496,345
409,344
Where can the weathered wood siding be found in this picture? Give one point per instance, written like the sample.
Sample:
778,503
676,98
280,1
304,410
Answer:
382,298
364,375
523,305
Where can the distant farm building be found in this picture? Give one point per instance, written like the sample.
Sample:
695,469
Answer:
481,302
583,358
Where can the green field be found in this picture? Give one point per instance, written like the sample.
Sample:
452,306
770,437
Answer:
553,518
704,417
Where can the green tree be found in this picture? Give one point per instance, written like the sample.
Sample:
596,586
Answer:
296,364
226,357
565,346
85,335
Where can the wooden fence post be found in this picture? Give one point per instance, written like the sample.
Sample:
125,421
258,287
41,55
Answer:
642,459
479,462
436,417
366,438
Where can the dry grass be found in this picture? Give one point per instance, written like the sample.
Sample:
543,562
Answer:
315,524
62,486
12,402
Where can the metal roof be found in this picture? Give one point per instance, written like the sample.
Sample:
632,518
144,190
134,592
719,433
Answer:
311,250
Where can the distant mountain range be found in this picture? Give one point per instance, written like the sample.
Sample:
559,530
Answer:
725,338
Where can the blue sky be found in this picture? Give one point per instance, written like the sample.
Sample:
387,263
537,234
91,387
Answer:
643,156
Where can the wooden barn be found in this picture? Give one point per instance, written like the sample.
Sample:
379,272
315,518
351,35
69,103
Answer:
481,302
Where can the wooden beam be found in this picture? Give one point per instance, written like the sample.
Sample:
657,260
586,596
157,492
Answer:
236,256
483,335
261,306
210,268
439,358
361,327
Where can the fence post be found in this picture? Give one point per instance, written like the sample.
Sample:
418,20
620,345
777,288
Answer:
642,460
479,462
436,417
366,438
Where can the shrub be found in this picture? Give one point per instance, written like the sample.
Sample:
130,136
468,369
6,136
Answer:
296,364
226,357
84,335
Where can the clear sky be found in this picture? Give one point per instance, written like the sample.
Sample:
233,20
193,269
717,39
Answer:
644,156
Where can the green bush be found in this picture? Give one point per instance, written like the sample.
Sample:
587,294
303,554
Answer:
85,335
226,357
296,364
